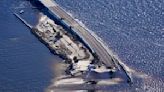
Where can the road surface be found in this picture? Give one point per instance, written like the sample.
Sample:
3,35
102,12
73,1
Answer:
89,37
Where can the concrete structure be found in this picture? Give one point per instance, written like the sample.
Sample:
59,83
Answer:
90,38
63,43
97,46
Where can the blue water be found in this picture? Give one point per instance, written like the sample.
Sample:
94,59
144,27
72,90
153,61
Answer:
25,63
134,29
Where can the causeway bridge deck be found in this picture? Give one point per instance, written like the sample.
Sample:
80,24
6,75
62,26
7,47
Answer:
90,38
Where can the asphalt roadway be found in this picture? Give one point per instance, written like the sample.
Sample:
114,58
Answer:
90,38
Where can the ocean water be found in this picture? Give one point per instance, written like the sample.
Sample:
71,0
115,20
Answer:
25,63
134,29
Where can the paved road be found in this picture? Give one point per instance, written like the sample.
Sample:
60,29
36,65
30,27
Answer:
91,39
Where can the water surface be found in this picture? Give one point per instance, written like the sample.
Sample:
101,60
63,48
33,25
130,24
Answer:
25,63
134,29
